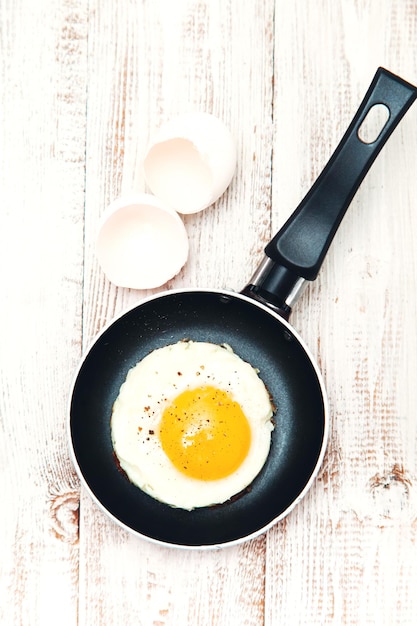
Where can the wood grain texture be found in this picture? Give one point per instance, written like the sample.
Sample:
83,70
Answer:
353,539
43,77
85,83
163,62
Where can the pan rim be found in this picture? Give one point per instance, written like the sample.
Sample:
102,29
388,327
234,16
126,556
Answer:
246,537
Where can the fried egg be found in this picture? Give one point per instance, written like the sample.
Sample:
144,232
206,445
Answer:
192,424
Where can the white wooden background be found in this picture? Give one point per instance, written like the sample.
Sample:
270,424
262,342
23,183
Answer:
83,84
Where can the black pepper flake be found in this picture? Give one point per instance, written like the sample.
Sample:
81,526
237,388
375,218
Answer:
151,432
179,373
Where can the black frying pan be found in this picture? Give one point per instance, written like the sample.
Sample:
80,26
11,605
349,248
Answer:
254,322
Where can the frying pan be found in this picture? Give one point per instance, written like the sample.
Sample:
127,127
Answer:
255,324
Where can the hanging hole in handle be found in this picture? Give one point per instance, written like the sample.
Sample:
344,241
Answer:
374,123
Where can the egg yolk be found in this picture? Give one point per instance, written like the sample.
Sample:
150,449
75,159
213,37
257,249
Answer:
205,433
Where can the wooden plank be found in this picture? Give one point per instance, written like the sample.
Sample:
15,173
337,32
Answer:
347,553
43,77
149,62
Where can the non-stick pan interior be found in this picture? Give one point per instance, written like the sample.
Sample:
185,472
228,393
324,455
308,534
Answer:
260,338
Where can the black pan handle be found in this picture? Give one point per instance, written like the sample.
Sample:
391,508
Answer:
297,251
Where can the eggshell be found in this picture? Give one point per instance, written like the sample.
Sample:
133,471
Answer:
190,161
141,242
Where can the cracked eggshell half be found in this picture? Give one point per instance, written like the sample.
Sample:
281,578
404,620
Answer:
141,242
190,161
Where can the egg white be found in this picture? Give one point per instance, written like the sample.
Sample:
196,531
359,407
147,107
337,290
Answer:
152,385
